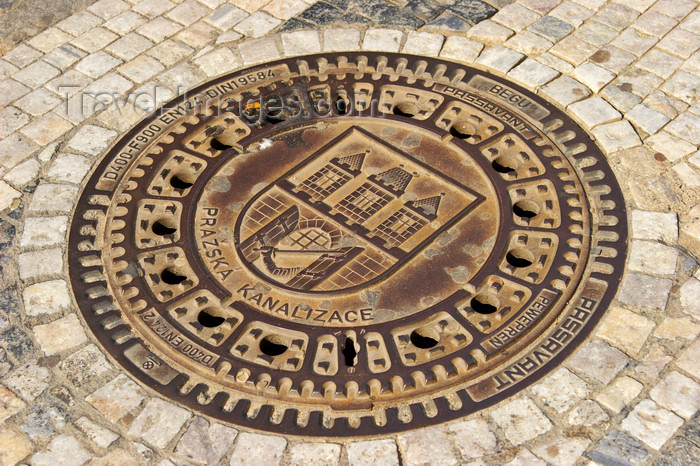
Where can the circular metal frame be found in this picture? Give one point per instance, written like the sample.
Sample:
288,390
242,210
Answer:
220,250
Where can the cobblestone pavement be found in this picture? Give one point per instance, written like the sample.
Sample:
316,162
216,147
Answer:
629,71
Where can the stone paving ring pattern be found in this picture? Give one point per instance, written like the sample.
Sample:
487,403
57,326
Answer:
344,245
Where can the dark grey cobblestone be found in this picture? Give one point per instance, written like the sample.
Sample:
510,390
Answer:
473,10
619,449
294,24
17,343
449,21
322,14
381,12
459,16
552,28
683,449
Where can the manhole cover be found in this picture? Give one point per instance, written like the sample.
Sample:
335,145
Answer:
347,245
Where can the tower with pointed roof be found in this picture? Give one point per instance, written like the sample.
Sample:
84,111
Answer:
376,192
333,176
406,221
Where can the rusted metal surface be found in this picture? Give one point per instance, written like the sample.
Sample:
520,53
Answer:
348,245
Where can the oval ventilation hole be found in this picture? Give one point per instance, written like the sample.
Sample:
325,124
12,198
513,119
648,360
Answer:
462,130
218,145
181,181
406,109
504,164
424,337
208,318
273,346
342,106
520,258
526,208
163,227
485,303
349,352
171,277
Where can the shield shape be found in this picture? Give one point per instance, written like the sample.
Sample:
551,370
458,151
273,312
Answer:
349,215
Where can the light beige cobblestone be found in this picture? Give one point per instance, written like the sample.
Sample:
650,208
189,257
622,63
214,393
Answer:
64,56
302,454
341,39
49,40
521,420
63,450
561,390
47,128
532,73
588,414
84,365
254,51
255,449
117,398
500,58
515,17
673,328
650,257
625,330
97,434
9,404
460,48
598,360
78,23
23,173
420,447
474,438
423,43
159,29
671,147
22,55
489,32
689,361
204,442
619,394
526,458
528,43
616,136
159,422
373,453
565,90
106,9
594,111
593,76
690,297
60,335
382,40
646,120
29,381
7,195
38,264
660,63
301,42
14,447
651,424
226,17
257,25
678,393
152,8
562,451
46,297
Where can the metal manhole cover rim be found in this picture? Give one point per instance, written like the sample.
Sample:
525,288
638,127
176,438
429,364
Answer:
174,393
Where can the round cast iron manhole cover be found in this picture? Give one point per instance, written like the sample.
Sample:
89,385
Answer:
348,244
